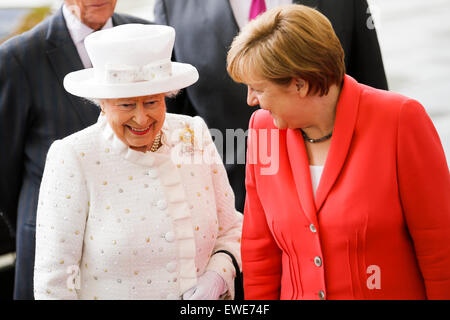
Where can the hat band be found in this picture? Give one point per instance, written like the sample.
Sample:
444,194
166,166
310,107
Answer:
126,74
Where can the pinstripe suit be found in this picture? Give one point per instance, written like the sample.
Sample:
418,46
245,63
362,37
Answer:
35,110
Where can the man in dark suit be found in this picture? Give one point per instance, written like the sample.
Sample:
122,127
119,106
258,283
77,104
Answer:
205,30
35,110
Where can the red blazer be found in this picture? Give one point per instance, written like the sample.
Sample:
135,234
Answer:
380,221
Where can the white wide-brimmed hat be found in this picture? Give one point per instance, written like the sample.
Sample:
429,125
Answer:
130,60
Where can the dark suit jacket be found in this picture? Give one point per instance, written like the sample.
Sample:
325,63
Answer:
205,30
35,110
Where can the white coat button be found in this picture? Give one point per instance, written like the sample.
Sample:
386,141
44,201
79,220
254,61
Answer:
153,173
318,261
171,266
162,204
321,295
312,227
169,236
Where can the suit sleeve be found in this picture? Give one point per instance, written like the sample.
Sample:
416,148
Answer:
365,62
15,104
261,256
424,184
61,220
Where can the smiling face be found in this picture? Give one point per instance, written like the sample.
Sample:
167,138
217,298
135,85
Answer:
287,104
93,13
136,121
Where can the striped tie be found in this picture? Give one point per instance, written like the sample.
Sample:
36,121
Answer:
257,7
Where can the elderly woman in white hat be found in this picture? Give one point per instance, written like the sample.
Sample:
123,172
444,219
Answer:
137,205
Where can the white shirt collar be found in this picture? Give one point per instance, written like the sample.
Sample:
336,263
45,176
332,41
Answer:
78,30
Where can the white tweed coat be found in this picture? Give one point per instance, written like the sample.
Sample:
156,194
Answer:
114,223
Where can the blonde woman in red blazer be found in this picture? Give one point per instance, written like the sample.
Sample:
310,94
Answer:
352,199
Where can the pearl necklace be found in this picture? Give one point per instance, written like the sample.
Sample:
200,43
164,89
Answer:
156,142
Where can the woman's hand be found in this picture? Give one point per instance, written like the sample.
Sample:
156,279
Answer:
210,286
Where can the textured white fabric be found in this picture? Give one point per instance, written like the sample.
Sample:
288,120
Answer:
126,74
78,32
130,60
136,225
210,286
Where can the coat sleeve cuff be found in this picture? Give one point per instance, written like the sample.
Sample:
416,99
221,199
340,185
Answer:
222,264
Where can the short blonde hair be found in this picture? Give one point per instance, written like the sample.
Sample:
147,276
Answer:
292,41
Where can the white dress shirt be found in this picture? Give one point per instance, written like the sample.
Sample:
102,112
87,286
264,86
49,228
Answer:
241,9
78,32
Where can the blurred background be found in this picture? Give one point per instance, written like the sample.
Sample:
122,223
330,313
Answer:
414,36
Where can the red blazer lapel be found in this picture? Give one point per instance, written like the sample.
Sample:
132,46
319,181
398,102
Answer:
298,159
346,115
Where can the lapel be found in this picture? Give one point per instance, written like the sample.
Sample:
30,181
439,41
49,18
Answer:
219,16
298,159
64,58
118,20
346,115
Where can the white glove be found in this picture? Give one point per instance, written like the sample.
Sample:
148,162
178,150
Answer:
210,286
